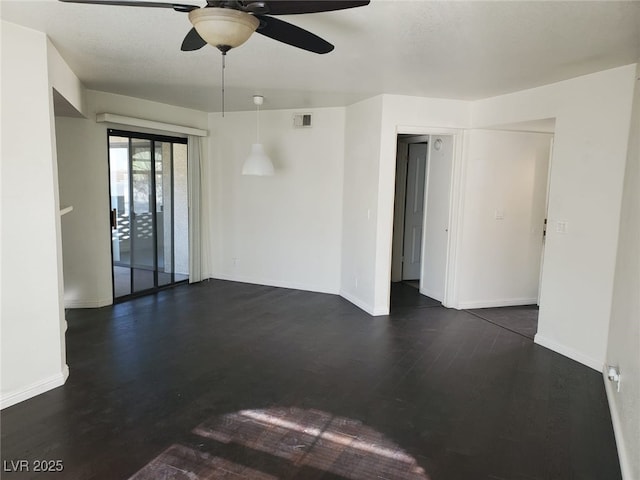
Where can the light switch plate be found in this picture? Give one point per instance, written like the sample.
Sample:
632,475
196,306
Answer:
561,227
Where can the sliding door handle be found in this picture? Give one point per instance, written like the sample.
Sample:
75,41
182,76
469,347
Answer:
114,219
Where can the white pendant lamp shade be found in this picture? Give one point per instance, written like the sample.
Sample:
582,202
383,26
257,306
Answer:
258,162
223,27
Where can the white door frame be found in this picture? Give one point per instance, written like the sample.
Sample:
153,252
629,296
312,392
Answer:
546,217
455,202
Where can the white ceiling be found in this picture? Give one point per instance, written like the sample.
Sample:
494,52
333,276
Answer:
447,49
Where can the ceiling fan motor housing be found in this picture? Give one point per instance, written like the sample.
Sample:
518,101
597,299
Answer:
224,28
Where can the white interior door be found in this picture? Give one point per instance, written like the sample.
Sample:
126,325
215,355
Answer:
414,211
436,228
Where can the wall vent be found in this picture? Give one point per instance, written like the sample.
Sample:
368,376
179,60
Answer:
302,120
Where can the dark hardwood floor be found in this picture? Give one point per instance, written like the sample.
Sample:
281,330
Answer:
244,381
521,319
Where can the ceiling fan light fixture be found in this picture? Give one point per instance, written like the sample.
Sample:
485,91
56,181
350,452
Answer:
224,28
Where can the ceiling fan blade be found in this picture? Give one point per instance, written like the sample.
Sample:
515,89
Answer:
294,7
193,41
179,7
291,35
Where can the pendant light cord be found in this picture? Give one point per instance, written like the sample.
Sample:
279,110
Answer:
258,123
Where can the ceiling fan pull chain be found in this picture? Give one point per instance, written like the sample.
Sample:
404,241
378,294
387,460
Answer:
224,55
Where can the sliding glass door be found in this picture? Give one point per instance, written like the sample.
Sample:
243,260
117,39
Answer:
149,212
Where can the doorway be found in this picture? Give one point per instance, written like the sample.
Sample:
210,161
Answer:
514,186
424,165
149,212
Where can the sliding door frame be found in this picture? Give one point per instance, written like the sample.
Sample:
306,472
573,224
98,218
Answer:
153,139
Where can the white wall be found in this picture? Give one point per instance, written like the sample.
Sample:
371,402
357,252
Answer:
84,184
623,349
283,230
32,315
360,206
499,259
592,123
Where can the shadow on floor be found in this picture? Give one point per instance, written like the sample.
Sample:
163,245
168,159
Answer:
404,294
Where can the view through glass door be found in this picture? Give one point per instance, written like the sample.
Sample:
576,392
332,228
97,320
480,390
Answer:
149,212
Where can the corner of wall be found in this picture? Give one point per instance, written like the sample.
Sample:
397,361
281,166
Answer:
65,81
364,305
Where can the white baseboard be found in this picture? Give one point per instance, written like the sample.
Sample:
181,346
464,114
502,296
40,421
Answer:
380,311
568,352
507,302
83,303
275,283
362,305
44,385
623,456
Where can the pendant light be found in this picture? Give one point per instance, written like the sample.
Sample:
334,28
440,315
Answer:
258,162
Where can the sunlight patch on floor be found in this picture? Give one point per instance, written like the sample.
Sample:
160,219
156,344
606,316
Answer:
280,442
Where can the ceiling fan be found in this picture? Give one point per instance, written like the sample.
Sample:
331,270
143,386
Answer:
227,24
